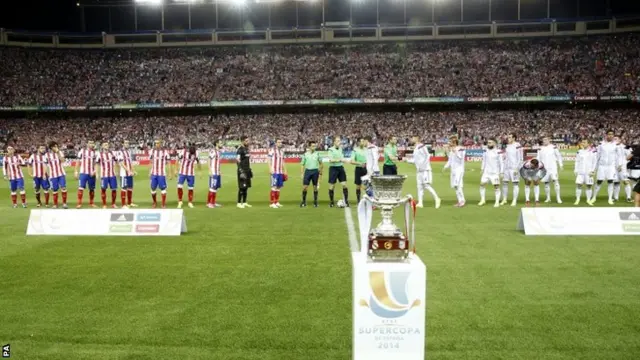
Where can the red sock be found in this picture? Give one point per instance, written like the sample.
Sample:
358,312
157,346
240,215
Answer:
277,196
272,197
55,199
164,199
80,193
153,196
46,198
103,196
14,199
213,197
64,197
123,197
23,197
114,196
209,198
92,195
179,194
190,195
129,195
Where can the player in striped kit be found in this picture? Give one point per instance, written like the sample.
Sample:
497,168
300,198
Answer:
215,178
107,160
159,158
86,173
278,173
38,171
58,177
126,176
12,171
188,162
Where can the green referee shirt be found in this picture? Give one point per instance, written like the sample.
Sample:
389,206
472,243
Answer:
335,157
359,155
389,151
311,160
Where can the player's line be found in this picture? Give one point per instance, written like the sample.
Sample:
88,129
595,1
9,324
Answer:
351,229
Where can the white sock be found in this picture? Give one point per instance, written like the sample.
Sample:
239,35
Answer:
556,185
497,192
460,195
516,191
547,191
616,191
579,192
505,190
627,190
536,192
420,194
527,192
589,192
483,191
610,191
597,190
431,190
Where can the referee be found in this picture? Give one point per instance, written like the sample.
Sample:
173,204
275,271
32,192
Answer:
244,172
336,172
390,157
310,172
359,159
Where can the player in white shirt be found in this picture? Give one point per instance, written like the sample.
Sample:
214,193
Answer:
513,160
422,160
532,171
373,168
455,161
492,167
585,167
607,161
550,156
623,173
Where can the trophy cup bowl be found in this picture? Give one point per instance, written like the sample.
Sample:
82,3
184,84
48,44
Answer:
386,241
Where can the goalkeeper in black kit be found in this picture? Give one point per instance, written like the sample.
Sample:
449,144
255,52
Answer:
244,172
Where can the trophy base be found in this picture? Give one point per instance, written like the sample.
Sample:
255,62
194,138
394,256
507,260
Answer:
388,248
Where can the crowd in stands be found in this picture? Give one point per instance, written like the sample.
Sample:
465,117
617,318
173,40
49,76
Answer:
583,66
296,129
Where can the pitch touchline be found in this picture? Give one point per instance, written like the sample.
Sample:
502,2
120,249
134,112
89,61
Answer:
351,229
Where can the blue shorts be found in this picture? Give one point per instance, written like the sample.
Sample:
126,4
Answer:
17,184
215,182
87,179
109,182
126,182
191,180
40,183
58,183
158,181
277,180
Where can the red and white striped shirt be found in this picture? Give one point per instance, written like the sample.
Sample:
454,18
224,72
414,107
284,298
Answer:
11,168
87,160
107,161
188,162
124,157
56,166
159,160
277,160
214,162
38,164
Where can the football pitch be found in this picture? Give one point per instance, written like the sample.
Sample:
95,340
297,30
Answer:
275,284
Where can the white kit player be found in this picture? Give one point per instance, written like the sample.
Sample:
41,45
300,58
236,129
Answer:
550,156
532,172
622,171
585,167
455,161
373,168
491,168
607,162
422,161
513,160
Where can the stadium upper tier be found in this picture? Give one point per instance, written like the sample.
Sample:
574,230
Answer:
548,66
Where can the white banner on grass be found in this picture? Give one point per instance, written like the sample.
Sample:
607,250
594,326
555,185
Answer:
107,222
580,221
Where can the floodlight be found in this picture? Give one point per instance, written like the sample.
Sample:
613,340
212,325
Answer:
150,2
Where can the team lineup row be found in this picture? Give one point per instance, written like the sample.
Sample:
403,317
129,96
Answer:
606,162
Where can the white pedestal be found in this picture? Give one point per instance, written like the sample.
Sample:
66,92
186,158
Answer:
389,309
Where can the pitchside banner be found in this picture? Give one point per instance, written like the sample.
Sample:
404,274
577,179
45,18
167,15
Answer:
389,309
107,222
580,221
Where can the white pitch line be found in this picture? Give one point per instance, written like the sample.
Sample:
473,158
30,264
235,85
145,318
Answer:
351,229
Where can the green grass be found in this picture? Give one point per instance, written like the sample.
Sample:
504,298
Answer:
274,284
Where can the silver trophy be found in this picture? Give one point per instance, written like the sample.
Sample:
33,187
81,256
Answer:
387,242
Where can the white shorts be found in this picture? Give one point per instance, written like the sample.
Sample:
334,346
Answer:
623,175
584,179
494,179
511,175
424,178
457,179
607,173
551,176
